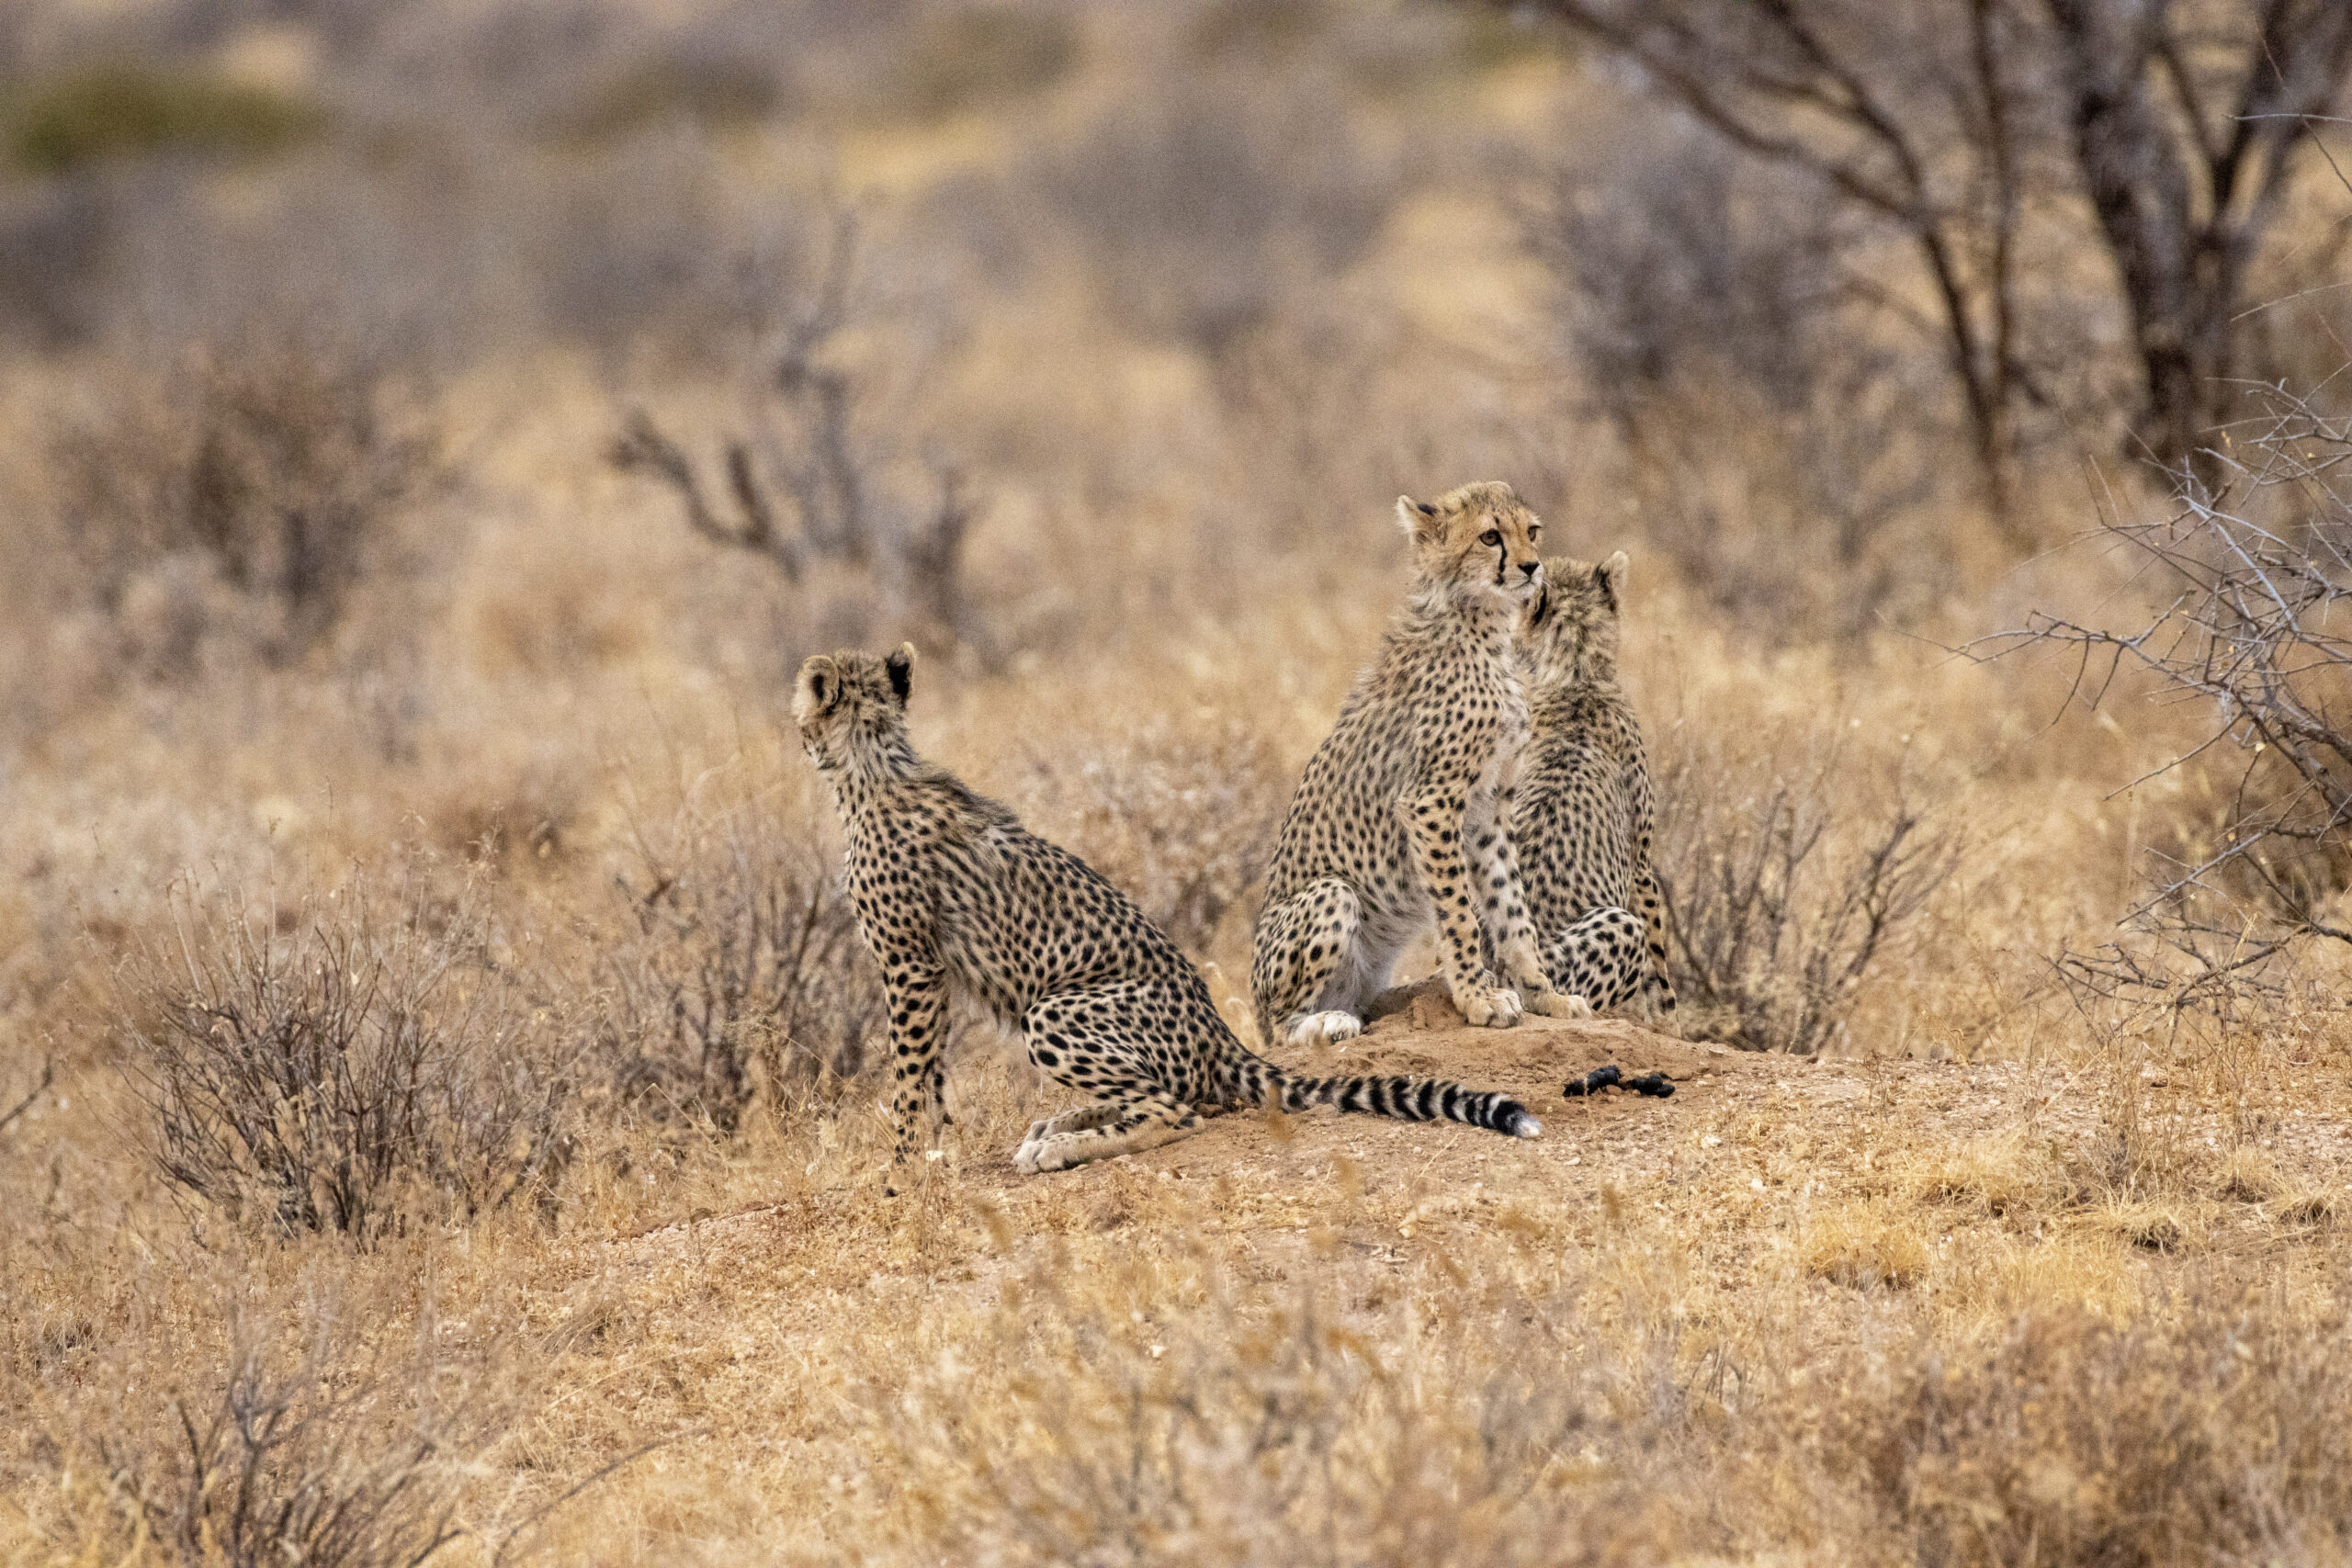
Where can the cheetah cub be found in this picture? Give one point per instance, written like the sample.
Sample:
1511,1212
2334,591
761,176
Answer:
954,898
1582,814
1404,811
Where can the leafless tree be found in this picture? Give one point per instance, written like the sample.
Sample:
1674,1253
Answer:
2181,119
811,482
2252,624
2185,122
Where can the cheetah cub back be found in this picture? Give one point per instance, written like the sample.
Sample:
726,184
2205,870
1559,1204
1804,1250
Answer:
955,898
1404,811
1583,815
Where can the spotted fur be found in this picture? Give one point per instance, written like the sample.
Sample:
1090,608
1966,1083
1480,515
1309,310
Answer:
1404,811
956,898
1583,815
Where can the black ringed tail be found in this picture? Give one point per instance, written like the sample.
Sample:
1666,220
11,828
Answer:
1401,1098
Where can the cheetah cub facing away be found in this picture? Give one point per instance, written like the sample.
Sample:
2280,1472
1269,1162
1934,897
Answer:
1582,815
1404,810
955,897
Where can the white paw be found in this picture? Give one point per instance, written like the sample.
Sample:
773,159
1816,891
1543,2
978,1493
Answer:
1037,1156
1559,1004
1326,1028
1490,1010
1036,1131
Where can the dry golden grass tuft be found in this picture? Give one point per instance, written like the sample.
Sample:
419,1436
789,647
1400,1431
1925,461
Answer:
1864,1247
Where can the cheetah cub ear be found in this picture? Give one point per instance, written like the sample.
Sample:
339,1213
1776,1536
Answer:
818,689
1414,516
1610,578
901,667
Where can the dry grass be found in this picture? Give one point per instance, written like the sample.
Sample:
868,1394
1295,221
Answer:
1988,1278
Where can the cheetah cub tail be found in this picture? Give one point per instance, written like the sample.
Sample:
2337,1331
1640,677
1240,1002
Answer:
1413,1100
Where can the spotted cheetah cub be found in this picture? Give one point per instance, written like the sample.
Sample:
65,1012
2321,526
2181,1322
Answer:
1582,814
956,898
1404,811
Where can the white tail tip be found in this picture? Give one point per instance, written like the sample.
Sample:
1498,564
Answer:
1529,1127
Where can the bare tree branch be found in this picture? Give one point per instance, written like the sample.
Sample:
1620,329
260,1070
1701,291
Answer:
48,1076
2258,629
2183,190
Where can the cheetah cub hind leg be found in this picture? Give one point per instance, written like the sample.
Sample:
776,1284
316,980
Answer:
1124,1128
1304,963
1601,959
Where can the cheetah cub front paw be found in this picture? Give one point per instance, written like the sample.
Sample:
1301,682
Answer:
1326,1028
1491,1008
1560,1004
1041,1151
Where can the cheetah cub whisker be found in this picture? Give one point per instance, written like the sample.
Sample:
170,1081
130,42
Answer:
1404,813
956,900
1583,815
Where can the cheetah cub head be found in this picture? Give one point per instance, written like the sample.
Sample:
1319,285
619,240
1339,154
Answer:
1478,543
852,708
1568,635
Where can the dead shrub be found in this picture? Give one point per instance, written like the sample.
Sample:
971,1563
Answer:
745,978
1782,892
2198,1433
308,1448
823,479
1103,1423
347,1065
239,495
1179,811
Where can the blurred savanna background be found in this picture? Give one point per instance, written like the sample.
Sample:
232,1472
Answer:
436,1108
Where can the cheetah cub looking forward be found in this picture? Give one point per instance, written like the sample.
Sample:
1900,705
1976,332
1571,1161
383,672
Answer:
956,898
1582,814
1405,809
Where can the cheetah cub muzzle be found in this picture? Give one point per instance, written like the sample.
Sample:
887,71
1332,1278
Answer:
954,898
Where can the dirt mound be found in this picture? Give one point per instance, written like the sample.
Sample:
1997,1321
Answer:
1416,1030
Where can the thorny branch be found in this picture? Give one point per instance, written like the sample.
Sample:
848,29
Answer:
2250,621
